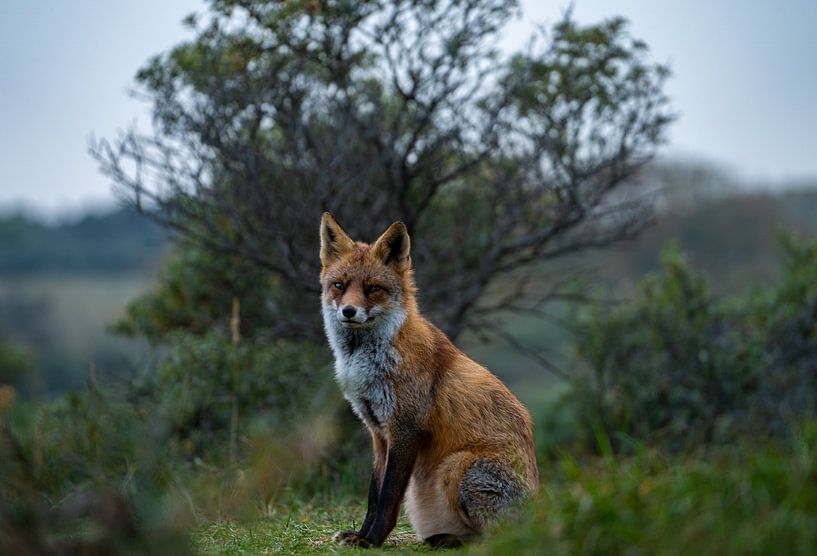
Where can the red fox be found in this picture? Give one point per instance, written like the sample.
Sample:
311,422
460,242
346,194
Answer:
447,435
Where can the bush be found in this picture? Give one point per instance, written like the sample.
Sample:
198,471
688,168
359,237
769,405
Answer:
77,441
194,294
16,365
222,364
759,500
85,474
679,367
203,380
92,473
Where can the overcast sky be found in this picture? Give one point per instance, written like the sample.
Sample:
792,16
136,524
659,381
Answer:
744,83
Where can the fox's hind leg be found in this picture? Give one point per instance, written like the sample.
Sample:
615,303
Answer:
452,502
432,501
445,540
488,490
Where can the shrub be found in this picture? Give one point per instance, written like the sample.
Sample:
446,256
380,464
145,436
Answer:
85,474
758,500
203,380
16,365
80,440
682,368
222,364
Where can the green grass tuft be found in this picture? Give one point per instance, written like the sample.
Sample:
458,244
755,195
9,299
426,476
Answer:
300,529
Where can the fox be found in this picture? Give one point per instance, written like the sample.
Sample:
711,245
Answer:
448,437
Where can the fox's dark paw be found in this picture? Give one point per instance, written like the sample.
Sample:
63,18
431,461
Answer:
351,538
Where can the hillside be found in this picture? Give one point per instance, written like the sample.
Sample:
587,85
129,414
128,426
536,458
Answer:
732,238
117,242
61,284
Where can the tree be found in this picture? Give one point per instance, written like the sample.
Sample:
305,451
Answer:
390,110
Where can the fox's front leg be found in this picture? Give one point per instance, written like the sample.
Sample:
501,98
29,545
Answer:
400,459
379,451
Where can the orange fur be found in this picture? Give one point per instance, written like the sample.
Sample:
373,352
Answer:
463,413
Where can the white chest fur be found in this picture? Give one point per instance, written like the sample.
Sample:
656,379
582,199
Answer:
365,362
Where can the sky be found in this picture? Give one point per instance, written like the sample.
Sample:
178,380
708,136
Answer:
744,84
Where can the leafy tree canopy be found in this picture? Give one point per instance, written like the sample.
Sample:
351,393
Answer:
395,110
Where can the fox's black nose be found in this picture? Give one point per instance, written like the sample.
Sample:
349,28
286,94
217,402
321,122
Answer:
349,311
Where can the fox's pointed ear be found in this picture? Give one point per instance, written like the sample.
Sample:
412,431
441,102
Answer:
334,241
392,248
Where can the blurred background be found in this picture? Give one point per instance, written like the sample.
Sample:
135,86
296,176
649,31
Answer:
741,151
640,177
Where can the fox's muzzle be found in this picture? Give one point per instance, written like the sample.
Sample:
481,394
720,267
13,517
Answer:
349,315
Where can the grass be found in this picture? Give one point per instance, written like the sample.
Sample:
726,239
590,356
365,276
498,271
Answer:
754,500
757,498
300,529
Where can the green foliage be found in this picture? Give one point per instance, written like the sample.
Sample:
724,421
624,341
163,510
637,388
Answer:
16,365
90,469
753,500
206,378
194,294
379,111
202,379
80,440
599,69
85,472
557,424
757,500
680,367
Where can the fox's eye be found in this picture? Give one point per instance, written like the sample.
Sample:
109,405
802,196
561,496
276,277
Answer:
372,289
338,285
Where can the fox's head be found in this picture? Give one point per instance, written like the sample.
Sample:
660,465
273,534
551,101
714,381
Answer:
365,286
